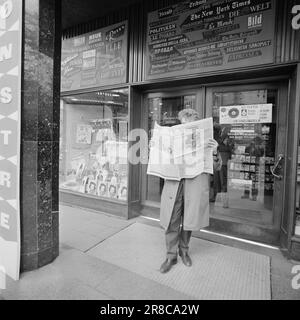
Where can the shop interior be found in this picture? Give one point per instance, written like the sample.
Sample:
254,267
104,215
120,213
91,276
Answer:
94,142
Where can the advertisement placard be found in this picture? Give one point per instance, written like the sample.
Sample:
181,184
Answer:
256,113
209,35
95,59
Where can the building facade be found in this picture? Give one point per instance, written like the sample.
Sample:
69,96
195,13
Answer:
85,88
235,61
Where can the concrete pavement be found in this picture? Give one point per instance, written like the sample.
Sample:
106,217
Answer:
78,275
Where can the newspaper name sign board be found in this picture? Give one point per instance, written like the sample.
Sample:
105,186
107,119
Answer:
257,113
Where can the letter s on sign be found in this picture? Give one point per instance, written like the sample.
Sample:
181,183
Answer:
296,19
296,279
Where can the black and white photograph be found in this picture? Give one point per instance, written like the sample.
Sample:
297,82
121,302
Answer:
149,153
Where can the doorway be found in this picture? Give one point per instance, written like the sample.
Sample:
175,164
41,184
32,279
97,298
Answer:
250,122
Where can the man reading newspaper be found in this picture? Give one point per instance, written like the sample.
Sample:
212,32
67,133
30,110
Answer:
183,156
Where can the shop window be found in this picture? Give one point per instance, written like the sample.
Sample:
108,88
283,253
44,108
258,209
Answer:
164,111
243,187
94,144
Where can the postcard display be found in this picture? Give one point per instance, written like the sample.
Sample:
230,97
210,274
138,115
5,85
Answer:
209,35
250,167
96,141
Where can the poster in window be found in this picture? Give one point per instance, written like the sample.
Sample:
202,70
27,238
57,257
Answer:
84,134
92,187
123,192
105,131
246,114
102,189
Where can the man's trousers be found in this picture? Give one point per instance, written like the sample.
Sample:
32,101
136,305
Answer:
176,237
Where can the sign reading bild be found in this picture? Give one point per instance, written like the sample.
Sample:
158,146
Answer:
209,35
95,59
10,108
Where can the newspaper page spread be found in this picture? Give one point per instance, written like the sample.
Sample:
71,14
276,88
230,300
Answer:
181,151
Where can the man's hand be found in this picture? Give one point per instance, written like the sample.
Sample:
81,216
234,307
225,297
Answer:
213,144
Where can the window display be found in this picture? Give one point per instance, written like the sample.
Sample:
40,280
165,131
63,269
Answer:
245,128
94,144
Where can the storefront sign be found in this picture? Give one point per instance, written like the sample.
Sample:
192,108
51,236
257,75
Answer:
10,93
95,59
257,113
209,35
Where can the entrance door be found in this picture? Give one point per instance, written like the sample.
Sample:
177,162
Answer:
247,191
163,108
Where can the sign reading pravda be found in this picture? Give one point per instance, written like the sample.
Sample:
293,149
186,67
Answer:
10,94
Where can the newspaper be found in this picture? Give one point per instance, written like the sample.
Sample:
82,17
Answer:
181,152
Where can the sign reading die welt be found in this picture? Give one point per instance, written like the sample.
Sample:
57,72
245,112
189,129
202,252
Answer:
208,35
10,93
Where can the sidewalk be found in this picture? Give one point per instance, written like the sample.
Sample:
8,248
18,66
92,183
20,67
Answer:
101,259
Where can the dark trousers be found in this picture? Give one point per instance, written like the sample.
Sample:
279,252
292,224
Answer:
224,178
176,236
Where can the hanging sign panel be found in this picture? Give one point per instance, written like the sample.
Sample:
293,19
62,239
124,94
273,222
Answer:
209,35
257,113
95,59
10,108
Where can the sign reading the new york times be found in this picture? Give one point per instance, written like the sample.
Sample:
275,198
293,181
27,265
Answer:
209,35
96,58
10,93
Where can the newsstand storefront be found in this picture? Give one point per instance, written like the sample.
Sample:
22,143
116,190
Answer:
235,61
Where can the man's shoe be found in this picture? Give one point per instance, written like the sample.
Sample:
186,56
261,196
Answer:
167,265
186,259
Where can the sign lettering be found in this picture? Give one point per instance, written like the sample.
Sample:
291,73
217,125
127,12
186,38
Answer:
6,95
4,219
6,10
95,59
6,135
204,36
5,179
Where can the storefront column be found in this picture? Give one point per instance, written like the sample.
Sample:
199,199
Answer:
40,133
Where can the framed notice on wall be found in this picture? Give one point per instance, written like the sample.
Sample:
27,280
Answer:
95,59
209,35
10,109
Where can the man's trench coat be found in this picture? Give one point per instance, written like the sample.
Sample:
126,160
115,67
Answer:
196,202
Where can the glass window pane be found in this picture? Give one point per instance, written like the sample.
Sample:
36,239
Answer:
243,186
164,111
94,144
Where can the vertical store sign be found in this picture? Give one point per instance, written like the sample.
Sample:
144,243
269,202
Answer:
10,108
